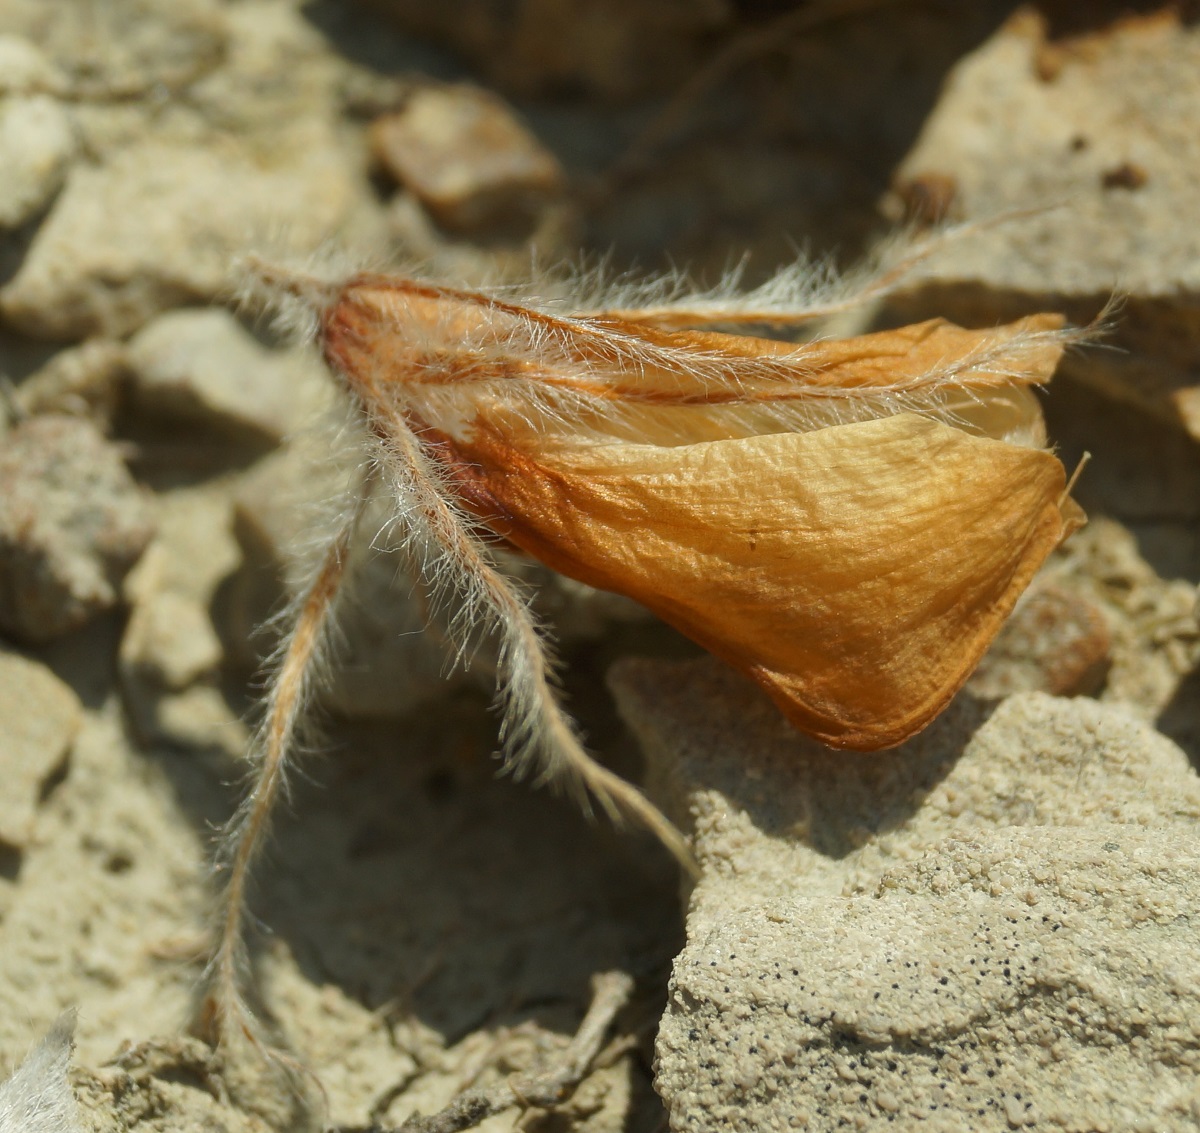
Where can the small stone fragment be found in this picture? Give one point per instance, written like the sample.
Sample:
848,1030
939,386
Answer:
36,147
467,158
1056,641
79,381
39,716
170,656
72,523
201,368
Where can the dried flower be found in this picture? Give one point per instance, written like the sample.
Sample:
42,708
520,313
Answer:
846,521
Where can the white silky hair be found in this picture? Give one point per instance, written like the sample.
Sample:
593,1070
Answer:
38,1098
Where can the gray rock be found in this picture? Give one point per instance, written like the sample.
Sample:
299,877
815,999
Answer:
1095,133
39,716
36,147
72,523
202,368
972,928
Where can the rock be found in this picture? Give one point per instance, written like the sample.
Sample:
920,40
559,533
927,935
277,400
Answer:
949,930
170,656
1076,130
36,147
25,70
1056,641
467,158
79,381
202,369
72,523
158,225
1154,642
1039,977
39,716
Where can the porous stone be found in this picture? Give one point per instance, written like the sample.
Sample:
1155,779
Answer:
1087,140
926,932
39,716
72,523
202,368
467,158
36,147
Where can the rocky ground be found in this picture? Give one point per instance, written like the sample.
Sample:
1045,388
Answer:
988,928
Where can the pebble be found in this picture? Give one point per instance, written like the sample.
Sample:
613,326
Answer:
1056,641
72,523
202,368
170,657
39,717
468,159
158,225
37,144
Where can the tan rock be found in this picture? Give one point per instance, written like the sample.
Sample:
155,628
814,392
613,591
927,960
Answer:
72,523
39,716
1091,137
467,158
952,930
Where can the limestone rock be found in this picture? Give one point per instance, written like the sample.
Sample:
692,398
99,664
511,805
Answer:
202,369
1056,641
170,655
72,523
39,716
158,225
951,929
25,70
36,147
1093,134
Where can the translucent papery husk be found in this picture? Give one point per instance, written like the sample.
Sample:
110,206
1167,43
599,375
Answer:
848,523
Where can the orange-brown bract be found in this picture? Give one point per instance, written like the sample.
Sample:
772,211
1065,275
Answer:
857,571
846,521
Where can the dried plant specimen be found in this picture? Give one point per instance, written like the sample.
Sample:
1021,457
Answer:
847,521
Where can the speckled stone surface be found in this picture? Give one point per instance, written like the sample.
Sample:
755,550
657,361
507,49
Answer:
986,928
